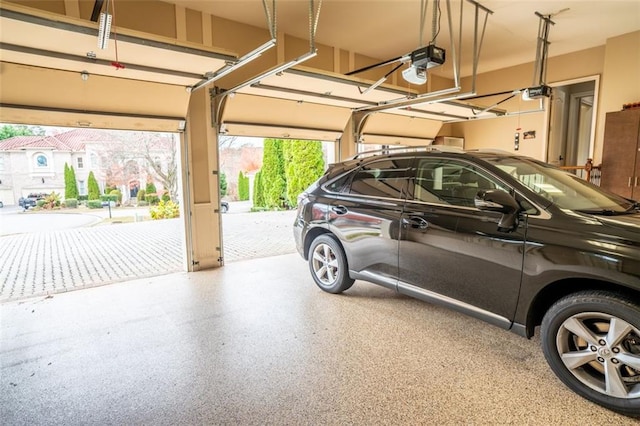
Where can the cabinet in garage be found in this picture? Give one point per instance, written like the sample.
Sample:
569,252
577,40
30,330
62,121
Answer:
621,153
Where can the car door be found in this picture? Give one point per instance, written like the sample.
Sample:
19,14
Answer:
366,218
453,253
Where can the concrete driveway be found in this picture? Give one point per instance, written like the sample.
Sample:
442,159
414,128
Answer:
47,253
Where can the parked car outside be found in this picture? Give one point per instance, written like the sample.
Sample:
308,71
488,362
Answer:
26,202
504,238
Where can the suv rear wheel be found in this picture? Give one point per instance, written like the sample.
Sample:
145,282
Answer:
591,340
328,265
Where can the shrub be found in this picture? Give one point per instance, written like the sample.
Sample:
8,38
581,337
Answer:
142,203
118,195
94,204
50,201
152,198
165,197
71,203
165,210
151,194
109,197
83,197
141,195
223,184
39,203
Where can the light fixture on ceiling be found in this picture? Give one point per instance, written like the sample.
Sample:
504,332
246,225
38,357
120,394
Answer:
104,30
415,75
84,75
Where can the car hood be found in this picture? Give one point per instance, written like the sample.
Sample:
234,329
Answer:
626,226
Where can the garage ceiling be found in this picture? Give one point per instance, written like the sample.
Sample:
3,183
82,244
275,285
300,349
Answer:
389,28
296,103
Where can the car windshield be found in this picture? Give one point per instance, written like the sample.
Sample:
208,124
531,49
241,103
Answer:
564,189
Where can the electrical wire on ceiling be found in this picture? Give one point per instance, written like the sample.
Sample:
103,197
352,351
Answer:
117,64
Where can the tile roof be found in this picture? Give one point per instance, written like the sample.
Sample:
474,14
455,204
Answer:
76,140
19,142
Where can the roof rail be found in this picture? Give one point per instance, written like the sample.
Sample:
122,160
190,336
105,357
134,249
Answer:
425,148
493,151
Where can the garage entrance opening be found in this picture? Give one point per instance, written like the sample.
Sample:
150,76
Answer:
260,182
86,207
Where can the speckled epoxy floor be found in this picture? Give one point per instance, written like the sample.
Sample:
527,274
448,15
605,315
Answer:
256,342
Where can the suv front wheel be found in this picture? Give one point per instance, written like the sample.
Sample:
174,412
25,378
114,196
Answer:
591,340
328,265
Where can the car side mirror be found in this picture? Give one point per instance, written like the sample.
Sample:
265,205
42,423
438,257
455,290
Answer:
495,200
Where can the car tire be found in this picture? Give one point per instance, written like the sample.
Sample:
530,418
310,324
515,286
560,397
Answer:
591,341
328,265
224,208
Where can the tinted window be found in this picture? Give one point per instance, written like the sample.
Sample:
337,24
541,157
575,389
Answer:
384,178
566,190
454,182
338,184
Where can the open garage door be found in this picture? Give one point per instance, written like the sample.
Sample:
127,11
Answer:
54,74
303,104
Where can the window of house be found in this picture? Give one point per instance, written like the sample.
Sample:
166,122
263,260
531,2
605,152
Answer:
82,190
41,161
80,163
94,160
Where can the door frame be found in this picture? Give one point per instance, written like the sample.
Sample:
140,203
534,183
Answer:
596,92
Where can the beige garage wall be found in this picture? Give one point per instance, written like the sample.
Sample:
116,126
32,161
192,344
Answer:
620,79
617,62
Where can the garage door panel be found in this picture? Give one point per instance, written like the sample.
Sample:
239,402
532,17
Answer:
387,124
244,113
60,118
43,87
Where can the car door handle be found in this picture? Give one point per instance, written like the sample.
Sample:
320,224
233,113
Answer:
339,209
416,222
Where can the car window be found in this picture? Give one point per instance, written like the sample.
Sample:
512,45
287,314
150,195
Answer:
454,182
385,178
564,189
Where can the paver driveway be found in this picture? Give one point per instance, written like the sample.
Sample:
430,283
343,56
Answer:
55,261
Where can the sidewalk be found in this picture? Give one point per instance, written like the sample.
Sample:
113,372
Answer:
56,261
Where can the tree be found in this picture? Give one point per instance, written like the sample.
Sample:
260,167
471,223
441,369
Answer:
8,131
151,193
67,187
157,153
167,174
243,187
305,165
93,188
70,185
273,176
258,191
223,184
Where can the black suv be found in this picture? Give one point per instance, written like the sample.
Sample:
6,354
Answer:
504,238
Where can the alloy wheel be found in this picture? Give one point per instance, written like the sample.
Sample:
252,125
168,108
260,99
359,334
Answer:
325,264
602,351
